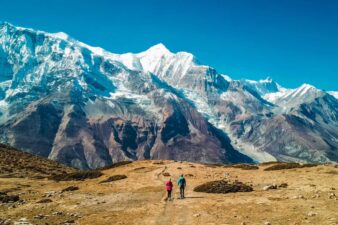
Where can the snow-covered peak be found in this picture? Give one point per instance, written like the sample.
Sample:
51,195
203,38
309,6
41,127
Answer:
6,27
263,87
156,51
266,80
288,98
306,86
304,89
158,59
4,23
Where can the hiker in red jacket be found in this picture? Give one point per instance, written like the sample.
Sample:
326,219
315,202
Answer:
169,187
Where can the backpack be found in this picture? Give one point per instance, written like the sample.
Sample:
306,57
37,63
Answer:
181,181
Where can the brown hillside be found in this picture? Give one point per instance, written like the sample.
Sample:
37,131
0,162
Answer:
18,164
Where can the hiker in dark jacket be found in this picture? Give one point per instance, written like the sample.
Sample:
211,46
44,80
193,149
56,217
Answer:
181,183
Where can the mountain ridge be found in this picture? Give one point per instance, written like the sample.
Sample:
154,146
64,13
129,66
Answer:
88,108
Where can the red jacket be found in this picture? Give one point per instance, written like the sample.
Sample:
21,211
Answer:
169,185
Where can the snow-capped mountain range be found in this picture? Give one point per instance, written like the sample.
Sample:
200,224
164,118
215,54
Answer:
87,107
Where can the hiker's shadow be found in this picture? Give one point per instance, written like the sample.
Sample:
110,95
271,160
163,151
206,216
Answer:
193,197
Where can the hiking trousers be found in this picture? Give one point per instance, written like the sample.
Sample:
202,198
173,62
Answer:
182,191
169,194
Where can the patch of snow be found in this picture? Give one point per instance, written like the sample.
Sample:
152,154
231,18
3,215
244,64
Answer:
60,35
248,149
226,77
3,111
333,93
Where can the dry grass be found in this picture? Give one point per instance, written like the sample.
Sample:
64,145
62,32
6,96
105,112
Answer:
139,198
333,172
18,164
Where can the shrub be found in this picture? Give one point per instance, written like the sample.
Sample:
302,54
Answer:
223,187
45,200
286,166
114,178
213,165
114,165
4,198
79,175
269,163
139,168
246,166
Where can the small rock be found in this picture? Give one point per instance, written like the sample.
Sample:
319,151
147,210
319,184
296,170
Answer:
243,223
197,215
22,221
75,215
57,213
39,217
5,222
283,185
269,187
312,214
267,223
49,194
316,196
12,207
299,197
332,195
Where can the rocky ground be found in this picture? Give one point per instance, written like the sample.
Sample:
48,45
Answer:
289,196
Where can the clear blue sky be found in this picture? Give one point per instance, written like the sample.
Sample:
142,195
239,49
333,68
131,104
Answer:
293,41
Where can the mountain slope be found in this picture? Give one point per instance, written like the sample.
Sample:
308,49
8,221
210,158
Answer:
88,108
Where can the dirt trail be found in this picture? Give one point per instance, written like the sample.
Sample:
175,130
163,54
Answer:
175,211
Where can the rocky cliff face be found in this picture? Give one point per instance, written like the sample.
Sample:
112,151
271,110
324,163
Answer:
89,108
